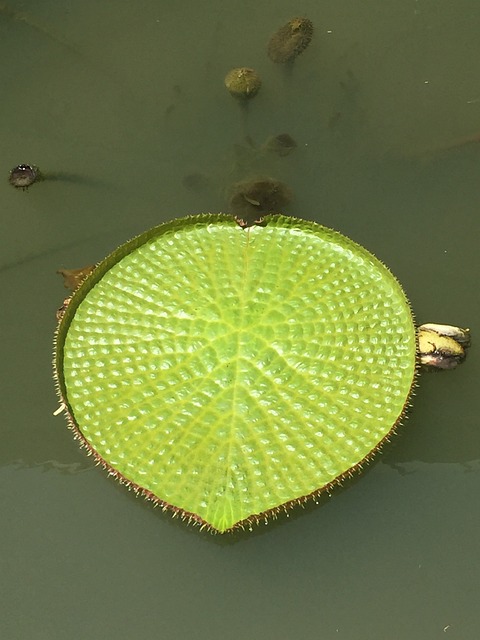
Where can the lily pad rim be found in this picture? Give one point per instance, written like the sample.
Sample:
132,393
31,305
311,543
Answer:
128,247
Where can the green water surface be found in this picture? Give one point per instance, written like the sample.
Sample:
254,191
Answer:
127,98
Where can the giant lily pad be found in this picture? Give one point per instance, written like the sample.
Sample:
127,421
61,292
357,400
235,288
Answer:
227,373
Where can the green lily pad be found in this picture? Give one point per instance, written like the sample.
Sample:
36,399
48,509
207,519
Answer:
227,373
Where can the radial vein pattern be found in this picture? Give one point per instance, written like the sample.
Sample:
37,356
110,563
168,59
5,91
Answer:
228,372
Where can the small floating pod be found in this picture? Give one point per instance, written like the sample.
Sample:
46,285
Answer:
243,82
24,175
290,40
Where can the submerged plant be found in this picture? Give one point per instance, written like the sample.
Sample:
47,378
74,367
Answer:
281,145
250,200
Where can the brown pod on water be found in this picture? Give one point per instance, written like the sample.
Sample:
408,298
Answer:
243,82
290,40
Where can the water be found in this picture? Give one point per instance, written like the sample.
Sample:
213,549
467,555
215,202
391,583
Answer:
130,99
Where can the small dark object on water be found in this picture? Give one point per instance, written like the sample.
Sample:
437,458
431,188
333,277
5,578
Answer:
251,200
243,82
24,175
290,40
442,346
282,145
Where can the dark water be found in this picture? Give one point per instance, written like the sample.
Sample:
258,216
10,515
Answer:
129,98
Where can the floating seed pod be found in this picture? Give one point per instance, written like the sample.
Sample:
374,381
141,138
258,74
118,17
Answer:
24,175
290,40
282,145
243,82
